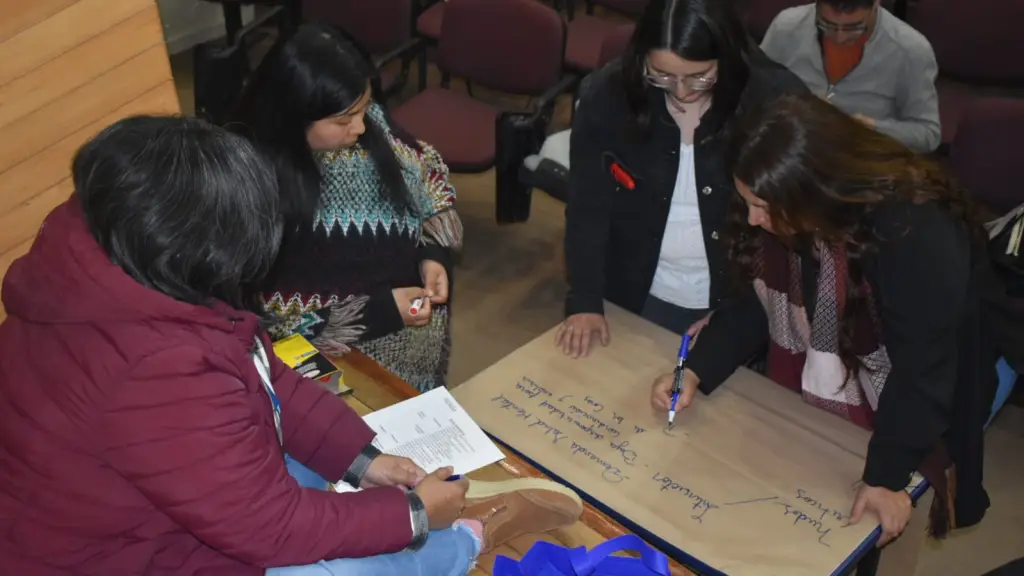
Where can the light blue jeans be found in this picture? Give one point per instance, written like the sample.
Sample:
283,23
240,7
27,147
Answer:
450,552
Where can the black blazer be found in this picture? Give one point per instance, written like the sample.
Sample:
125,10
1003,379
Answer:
613,234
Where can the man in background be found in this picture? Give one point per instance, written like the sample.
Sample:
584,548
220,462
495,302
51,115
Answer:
867,62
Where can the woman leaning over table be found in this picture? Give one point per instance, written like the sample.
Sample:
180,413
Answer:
864,259
370,223
649,185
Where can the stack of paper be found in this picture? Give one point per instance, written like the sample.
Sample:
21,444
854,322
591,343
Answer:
433,431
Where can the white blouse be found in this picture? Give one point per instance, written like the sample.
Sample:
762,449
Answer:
683,277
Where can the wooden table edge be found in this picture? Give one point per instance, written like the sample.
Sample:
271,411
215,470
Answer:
592,517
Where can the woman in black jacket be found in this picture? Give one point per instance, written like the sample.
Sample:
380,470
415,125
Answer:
649,185
865,261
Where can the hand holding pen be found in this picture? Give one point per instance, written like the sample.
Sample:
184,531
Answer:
414,305
675,390
677,380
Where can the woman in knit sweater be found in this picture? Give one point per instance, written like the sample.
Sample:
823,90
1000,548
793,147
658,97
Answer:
369,212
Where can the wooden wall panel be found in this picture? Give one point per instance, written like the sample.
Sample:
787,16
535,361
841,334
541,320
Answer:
34,175
64,31
19,15
74,69
68,68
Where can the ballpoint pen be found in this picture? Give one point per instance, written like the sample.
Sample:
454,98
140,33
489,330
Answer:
684,350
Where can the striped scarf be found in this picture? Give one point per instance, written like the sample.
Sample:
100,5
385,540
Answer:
804,354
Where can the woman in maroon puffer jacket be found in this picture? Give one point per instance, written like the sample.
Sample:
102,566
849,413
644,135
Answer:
143,427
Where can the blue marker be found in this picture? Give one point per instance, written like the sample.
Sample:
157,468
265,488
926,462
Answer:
453,478
684,351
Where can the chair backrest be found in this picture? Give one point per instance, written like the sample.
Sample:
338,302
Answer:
974,40
615,43
379,26
986,154
514,46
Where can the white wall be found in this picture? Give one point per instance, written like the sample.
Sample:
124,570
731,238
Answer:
191,22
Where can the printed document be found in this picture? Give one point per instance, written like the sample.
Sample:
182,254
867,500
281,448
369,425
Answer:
433,431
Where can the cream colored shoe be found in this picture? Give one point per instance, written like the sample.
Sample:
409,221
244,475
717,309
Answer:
520,506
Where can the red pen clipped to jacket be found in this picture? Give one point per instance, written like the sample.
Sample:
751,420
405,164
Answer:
622,177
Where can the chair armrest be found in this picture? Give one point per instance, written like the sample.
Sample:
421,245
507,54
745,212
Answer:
563,85
405,49
548,97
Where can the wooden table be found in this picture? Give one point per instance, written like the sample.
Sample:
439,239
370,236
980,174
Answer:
752,480
374,388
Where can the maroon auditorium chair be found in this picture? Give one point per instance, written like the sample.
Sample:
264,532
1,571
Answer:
512,46
587,35
986,154
430,15
428,26
428,23
615,43
612,45
979,48
587,32
383,28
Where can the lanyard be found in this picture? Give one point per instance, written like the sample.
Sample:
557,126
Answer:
259,358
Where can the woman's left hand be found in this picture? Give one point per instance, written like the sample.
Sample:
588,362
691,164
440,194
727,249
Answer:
435,281
892,508
387,470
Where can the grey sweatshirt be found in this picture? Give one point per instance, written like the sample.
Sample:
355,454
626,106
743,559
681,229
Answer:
894,84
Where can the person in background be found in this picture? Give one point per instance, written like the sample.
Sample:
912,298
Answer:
370,221
649,183
146,419
870,64
864,258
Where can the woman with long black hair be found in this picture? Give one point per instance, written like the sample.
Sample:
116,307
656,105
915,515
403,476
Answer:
135,376
370,225
865,261
649,184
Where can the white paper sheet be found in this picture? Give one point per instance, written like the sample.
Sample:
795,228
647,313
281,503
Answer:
433,431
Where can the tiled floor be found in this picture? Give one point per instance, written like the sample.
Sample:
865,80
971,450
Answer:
510,289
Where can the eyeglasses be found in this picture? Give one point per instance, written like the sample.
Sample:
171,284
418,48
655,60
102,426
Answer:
832,29
670,82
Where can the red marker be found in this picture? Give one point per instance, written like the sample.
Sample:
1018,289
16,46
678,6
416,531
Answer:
414,309
622,177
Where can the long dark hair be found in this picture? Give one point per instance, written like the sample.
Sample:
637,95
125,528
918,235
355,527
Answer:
183,207
696,30
823,174
314,74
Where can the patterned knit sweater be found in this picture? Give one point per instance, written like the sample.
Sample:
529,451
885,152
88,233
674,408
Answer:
332,282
